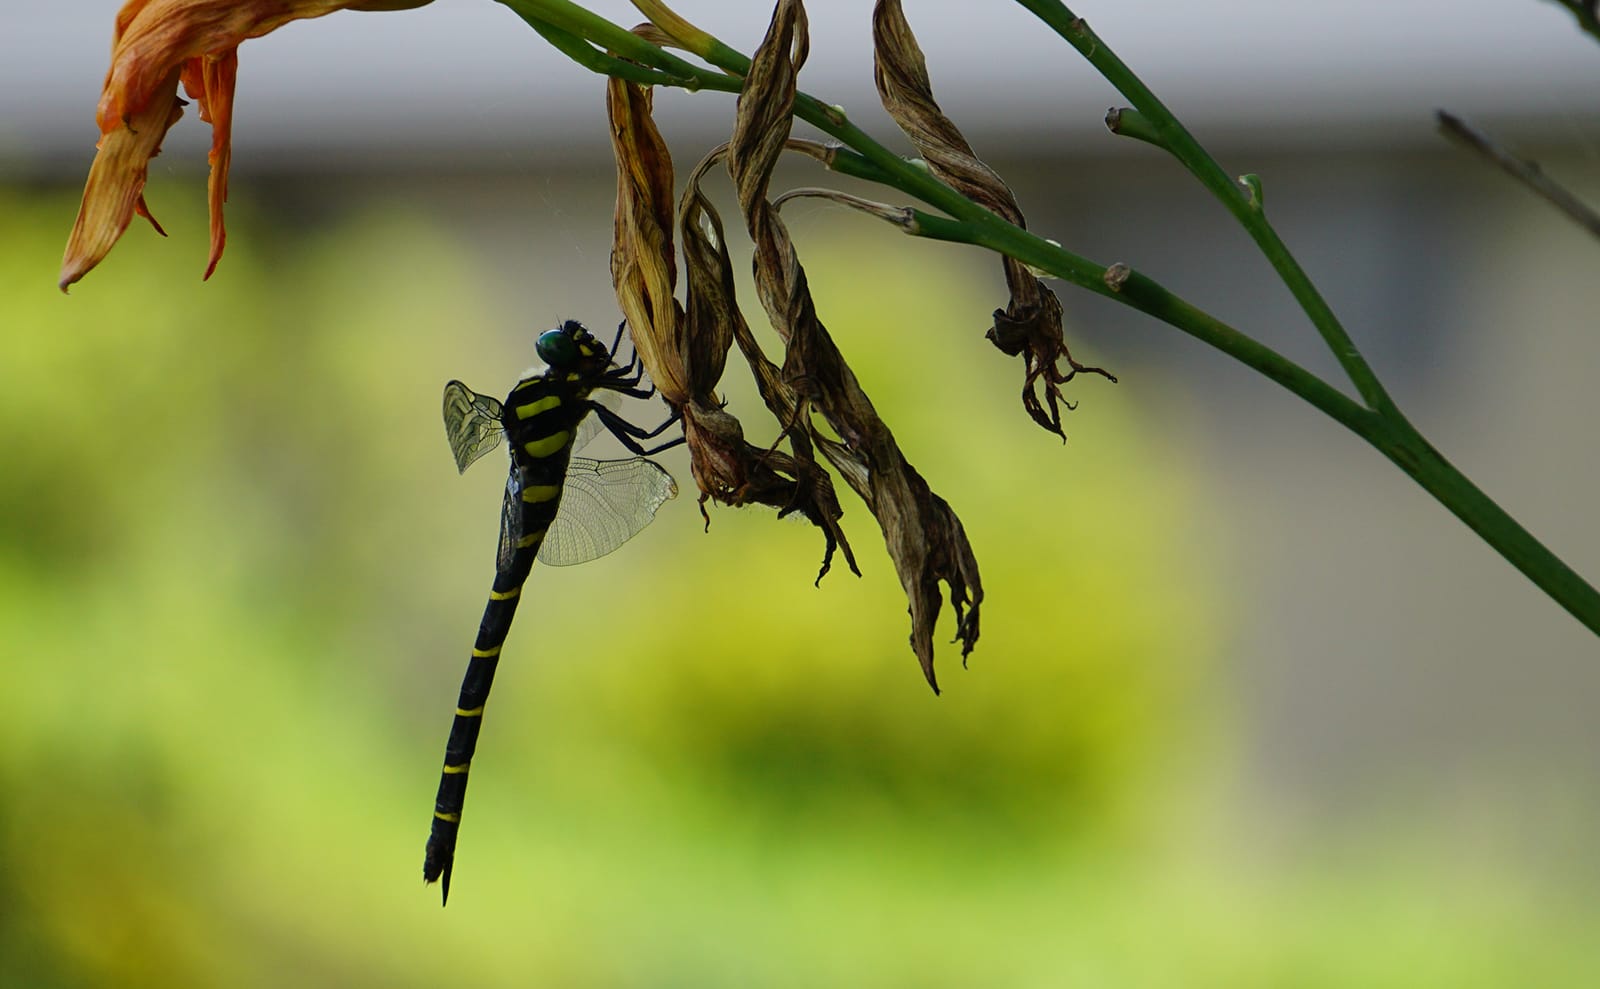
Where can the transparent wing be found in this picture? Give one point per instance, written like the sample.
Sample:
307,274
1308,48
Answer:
604,504
510,522
590,425
471,423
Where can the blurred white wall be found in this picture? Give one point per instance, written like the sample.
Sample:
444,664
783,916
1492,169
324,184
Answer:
455,74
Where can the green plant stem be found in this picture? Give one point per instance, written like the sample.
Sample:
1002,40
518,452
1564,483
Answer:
1396,438
594,59
569,26
1178,142
1401,443
1390,432
1378,421
1384,427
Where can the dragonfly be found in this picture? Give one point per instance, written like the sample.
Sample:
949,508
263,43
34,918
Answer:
559,508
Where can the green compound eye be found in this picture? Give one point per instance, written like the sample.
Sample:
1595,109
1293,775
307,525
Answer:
556,349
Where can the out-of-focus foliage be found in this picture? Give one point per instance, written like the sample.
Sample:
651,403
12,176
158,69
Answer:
238,579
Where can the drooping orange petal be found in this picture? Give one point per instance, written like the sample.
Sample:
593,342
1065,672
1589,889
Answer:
153,42
115,189
210,81
154,36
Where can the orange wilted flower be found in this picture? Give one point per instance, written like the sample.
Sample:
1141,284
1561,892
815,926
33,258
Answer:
156,45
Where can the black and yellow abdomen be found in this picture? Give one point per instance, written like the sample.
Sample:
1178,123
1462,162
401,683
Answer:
540,421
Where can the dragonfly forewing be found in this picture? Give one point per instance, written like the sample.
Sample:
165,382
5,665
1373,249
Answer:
472,423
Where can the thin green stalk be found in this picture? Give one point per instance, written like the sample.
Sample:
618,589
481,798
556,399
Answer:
1244,204
868,157
1378,421
1387,430
592,58
580,23
1412,453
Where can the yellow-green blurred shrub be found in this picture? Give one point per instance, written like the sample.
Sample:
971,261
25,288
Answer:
238,579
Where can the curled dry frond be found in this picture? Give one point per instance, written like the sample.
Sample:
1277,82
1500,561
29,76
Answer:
1030,324
685,347
925,539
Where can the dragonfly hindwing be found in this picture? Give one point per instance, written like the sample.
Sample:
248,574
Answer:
510,523
605,503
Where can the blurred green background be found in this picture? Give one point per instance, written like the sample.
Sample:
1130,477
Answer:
239,578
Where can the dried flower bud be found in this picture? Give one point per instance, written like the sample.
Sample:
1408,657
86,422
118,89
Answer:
1030,324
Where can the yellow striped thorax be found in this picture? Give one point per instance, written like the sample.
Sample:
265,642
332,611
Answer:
537,406
546,405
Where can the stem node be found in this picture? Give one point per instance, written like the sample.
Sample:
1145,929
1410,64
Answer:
1125,121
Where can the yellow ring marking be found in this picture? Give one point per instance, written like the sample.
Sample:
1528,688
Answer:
504,595
458,769
554,443
485,653
535,494
452,818
476,712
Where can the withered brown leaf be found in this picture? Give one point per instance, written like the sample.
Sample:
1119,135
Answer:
643,267
685,349
924,537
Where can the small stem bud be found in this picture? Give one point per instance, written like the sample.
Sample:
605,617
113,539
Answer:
1125,121
1252,185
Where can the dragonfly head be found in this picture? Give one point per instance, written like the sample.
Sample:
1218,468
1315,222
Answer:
571,347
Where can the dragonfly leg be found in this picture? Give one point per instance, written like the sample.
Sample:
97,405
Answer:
618,425
676,416
621,381
629,435
652,451
629,373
